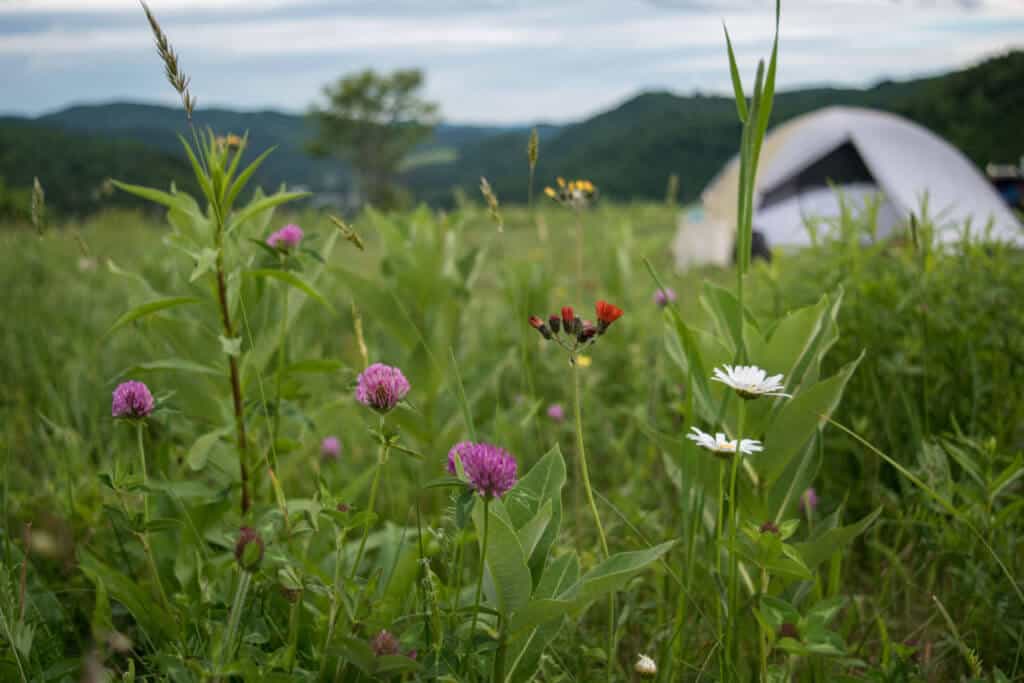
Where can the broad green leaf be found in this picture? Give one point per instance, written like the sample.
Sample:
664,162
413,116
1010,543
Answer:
824,546
542,484
797,421
175,364
531,532
143,606
155,196
614,572
508,578
291,279
149,309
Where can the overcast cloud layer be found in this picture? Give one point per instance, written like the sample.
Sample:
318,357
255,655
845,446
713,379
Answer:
494,61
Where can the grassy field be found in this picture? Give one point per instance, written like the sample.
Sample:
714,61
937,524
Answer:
901,570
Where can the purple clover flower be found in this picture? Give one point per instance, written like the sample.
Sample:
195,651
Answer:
381,387
556,412
330,448
287,237
384,643
491,470
664,297
457,448
132,400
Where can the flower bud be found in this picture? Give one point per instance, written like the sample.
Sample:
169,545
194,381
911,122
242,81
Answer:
646,667
249,549
555,323
567,319
587,331
539,325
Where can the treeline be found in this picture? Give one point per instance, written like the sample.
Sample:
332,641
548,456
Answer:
75,170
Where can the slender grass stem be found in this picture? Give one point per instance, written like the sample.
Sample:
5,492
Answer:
579,251
585,472
144,536
145,475
227,651
719,533
14,649
483,559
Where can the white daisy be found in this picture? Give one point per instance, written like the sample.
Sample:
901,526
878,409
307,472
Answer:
645,666
750,381
719,443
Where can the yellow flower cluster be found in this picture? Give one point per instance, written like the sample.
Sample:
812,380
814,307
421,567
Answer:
576,193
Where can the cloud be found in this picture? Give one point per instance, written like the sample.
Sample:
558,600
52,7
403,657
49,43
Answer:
500,60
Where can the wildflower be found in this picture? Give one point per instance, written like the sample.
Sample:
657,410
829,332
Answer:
720,444
809,501
249,549
664,297
750,381
330,448
384,643
646,667
286,238
575,193
539,325
584,361
556,412
770,528
568,319
457,449
343,507
491,470
586,331
606,314
555,323
789,630
381,387
132,400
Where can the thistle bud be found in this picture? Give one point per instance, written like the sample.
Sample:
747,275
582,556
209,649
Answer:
556,323
249,549
539,325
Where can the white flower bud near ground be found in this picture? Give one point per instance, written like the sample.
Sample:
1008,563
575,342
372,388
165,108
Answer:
646,667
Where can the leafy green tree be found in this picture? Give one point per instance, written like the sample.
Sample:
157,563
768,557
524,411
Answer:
374,121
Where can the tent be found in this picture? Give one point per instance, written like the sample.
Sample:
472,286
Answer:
845,156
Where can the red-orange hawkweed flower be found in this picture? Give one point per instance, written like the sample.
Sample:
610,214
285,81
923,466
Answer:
606,314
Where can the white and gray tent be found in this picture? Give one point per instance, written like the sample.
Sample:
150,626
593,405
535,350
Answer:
859,157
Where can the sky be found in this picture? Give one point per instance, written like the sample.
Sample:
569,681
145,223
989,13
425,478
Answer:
486,61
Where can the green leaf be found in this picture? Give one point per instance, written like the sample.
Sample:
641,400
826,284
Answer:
206,262
509,585
143,606
175,364
798,420
614,572
149,309
260,205
231,347
197,455
824,546
737,83
291,279
155,196
541,485
243,179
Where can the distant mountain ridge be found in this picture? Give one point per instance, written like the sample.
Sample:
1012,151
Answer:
628,151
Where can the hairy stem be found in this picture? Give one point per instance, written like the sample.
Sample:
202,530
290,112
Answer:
585,472
236,384
483,559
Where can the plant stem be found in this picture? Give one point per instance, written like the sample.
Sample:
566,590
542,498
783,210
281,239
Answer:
733,523
280,373
236,382
480,577
498,675
145,475
719,532
581,451
373,500
235,618
293,634
761,641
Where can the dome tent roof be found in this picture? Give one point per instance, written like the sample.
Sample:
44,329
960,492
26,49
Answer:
858,149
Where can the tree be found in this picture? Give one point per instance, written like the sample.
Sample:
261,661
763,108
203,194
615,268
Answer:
374,120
